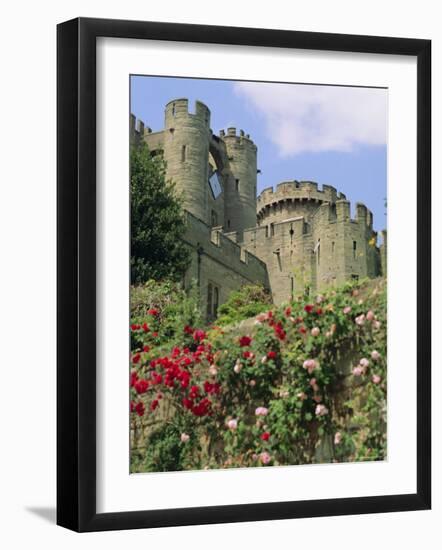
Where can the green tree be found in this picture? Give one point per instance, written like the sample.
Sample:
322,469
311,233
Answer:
157,221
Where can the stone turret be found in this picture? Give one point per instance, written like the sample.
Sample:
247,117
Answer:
186,150
240,192
293,199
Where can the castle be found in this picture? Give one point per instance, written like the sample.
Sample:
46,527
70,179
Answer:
295,238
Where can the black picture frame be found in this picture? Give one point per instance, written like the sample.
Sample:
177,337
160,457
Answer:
76,274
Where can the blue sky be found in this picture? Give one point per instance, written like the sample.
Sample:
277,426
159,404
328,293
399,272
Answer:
328,134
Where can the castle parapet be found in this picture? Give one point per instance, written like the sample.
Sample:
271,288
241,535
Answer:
138,130
343,211
290,191
240,138
326,213
222,248
179,109
364,215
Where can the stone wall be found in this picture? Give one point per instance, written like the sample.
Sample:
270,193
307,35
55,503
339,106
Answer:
219,261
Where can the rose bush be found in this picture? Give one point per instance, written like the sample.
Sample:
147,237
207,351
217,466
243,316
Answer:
305,384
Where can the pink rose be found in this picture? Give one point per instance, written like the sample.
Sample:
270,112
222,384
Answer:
310,365
376,379
370,315
232,424
346,310
184,437
315,331
375,355
237,368
252,383
301,395
360,320
265,457
358,371
364,363
261,317
338,438
261,411
213,370
321,410
376,325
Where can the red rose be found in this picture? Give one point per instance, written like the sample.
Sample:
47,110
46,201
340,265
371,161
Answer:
308,308
133,378
288,311
319,311
135,327
302,330
136,358
279,331
199,335
141,386
265,436
188,330
187,403
139,408
156,378
154,404
245,341
271,354
153,311
146,349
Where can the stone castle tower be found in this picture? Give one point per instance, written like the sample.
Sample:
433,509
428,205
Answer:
292,239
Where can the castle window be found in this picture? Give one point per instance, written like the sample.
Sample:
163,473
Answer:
333,247
183,153
354,249
228,224
215,301
272,229
209,300
173,109
267,230
319,253
214,218
355,277
237,185
212,301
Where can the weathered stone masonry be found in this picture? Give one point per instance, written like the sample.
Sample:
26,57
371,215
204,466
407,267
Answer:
292,239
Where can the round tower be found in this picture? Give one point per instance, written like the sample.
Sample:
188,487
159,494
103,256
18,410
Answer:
186,152
294,199
240,192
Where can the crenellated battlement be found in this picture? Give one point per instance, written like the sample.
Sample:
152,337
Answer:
178,109
297,191
138,129
340,212
232,136
223,248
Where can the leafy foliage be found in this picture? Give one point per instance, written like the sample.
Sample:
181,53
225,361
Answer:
161,310
157,221
305,384
244,303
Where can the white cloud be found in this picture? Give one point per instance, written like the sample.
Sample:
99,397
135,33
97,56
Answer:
305,118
